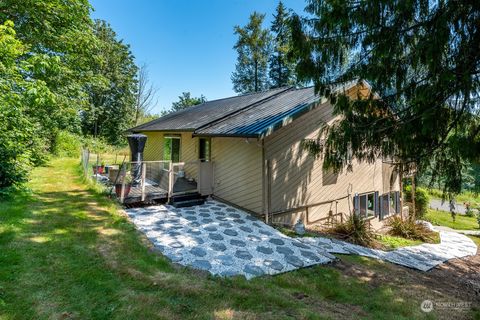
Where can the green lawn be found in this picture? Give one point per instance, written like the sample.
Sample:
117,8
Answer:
66,253
442,218
392,242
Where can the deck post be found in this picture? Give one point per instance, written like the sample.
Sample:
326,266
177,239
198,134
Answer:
199,167
123,176
144,172
170,180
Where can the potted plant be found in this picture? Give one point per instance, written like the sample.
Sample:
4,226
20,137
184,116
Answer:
101,168
98,169
127,179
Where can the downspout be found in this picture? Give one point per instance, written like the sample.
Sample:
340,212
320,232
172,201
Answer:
264,183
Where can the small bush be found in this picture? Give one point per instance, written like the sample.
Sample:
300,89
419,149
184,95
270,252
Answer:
97,145
409,229
67,144
469,211
355,230
422,200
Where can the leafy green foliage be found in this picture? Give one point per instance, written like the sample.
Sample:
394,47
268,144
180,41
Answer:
67,144
422,200
422,60
409,229
355,230
53,71
113,94
21,140
252,47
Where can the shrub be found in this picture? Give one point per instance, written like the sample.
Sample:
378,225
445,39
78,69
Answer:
422,200
469,211
67,144
355,230
97,145
409,229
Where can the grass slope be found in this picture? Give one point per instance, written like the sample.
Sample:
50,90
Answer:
442,218
66,253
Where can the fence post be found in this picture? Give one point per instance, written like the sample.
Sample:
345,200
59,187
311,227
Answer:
170,180
123,177
144,172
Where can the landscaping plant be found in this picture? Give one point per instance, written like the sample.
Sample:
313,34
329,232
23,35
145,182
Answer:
355,230
409,229
469,210
422,200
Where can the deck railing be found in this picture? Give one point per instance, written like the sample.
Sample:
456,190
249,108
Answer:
144,180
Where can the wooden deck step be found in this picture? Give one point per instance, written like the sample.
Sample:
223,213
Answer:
187,200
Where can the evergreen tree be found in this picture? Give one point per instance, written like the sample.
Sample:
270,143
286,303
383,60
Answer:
252,62
281,69
184,101
422,60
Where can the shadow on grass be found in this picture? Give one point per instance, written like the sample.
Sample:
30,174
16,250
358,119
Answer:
67,253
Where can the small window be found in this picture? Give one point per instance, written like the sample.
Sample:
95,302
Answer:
171,148
364,204
204,149
390,204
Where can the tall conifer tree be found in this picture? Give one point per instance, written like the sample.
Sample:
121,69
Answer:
421,57
252,62
281,70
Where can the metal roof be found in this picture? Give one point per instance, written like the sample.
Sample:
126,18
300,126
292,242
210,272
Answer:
264,118
252,115
200,115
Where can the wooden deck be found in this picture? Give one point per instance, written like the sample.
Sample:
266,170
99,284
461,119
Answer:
153,192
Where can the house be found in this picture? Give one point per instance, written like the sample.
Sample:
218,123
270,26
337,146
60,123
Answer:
247,151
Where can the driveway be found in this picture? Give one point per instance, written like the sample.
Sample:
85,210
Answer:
438,204
223,240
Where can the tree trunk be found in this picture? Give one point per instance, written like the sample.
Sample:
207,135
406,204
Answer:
414,213
400,177
256,76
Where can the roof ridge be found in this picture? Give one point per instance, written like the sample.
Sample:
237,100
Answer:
161,118
236,112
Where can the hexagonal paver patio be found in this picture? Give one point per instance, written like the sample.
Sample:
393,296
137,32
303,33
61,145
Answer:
223,240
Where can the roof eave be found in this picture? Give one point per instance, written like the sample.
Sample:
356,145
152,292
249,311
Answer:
226,135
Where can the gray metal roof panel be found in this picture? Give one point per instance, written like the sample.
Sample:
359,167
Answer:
200,115
257,121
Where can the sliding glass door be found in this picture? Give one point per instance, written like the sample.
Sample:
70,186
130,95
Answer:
171,148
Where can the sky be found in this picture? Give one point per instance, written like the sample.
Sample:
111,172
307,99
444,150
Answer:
187,45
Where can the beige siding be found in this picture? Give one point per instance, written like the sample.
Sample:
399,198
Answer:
297,179
238,172
188,149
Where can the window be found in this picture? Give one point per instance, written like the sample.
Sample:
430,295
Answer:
171,148
204,149
389,204
365,204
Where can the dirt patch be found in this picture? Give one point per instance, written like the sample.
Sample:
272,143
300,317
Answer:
457,281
